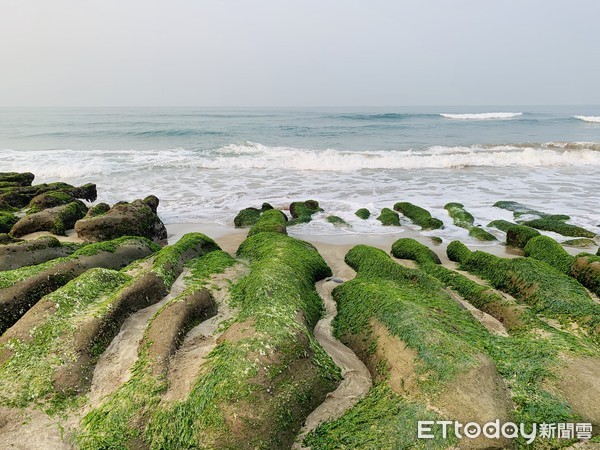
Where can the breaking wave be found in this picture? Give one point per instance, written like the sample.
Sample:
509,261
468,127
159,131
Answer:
594,119
252,156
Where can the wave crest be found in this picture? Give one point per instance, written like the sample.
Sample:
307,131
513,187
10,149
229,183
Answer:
593,119
250,156
482,116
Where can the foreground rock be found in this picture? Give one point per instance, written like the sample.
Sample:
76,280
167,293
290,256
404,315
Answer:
137,218
79,320
56,220
20,289
28,253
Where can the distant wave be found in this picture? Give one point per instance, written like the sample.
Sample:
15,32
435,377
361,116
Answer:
250,156
482,116
595,119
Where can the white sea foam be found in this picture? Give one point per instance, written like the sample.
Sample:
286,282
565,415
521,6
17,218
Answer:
594,119
482,116
251,156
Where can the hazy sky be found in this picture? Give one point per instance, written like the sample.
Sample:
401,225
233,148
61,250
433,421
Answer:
299,52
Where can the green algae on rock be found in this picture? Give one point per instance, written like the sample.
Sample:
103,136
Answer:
80,319
21,288
56,220
335,220
502,225
272,220
138,218
302,212
419,216
389,217
464,219
363,213
517,236
546,289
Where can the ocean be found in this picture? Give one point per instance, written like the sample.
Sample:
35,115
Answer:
205,164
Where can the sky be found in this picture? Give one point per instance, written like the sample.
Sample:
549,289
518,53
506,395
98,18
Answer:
299,52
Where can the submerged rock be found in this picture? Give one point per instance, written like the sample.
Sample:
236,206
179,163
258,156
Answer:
56,220
363,213
335,220
137,218
502,225
464,219
580,243
419,216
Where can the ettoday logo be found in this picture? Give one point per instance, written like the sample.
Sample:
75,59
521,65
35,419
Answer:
429,429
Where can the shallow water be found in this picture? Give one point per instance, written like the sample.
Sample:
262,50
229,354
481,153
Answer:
206,164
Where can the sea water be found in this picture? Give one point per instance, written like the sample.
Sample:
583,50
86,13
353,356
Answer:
205,164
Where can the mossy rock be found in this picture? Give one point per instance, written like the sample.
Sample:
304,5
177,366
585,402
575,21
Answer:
20,196
272,220
519,235
7,221
502,225
20,179
546,249
461,217
98,210
302,212
247,217
337,221
408,248
389,218
520,210
481,235
138,218
436,240
6,238
363,213
56,220
559,226
546,289
419,216
580,243
49,199
586,269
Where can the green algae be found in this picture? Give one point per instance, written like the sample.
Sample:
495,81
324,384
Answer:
517,236
418,215
464,219
387,217
546,290
271,220
502,225
363,213
335,220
